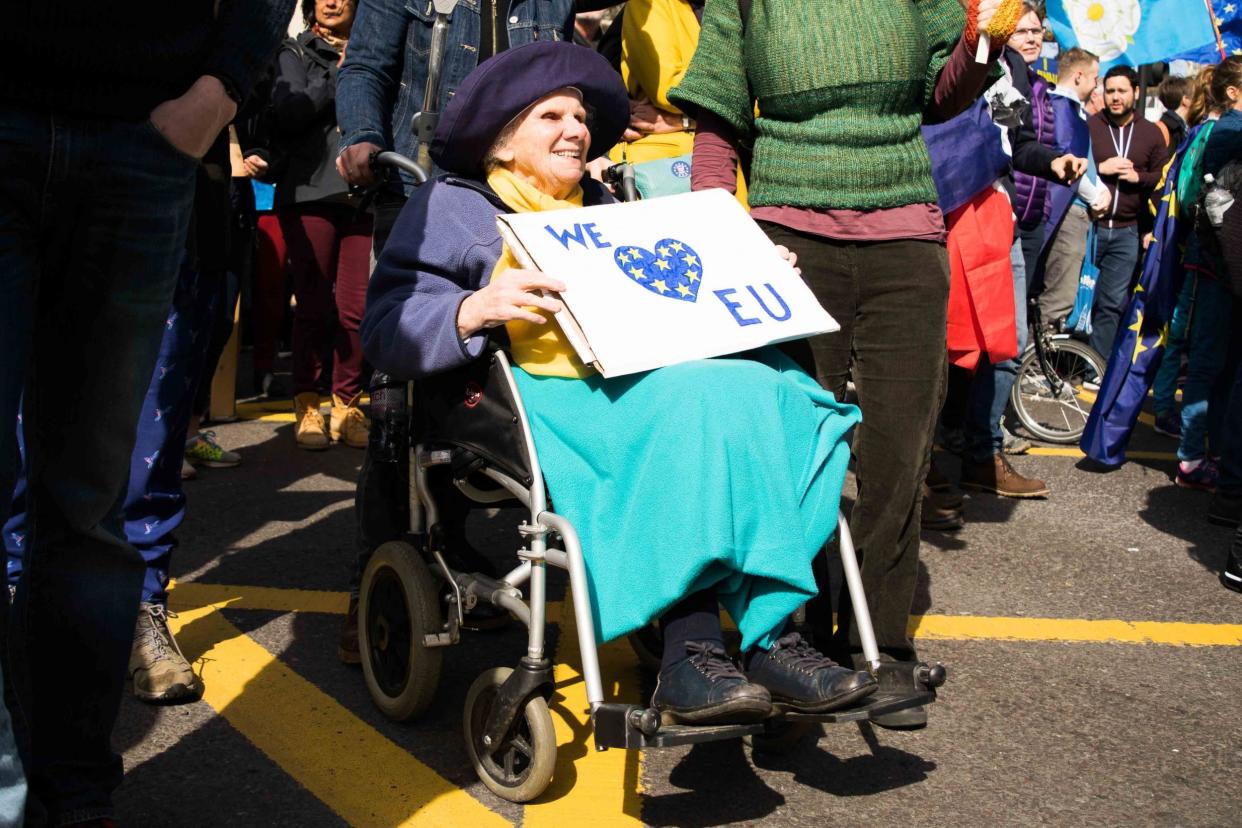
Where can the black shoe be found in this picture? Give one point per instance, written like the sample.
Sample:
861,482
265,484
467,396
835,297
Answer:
706,688
1225,509
1231,575
802,679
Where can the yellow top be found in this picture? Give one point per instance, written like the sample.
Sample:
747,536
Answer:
658,39
538,349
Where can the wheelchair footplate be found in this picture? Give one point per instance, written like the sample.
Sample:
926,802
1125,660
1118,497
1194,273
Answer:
633,726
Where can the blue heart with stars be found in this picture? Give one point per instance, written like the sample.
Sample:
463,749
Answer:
672,270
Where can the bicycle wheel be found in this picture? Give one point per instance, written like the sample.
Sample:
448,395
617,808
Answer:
1049,413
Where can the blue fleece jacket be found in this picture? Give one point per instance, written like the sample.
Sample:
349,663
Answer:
443,247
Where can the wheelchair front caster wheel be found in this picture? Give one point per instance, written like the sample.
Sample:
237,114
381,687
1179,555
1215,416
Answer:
520,767
397,606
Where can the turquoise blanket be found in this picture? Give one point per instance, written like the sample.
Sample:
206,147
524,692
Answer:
721,472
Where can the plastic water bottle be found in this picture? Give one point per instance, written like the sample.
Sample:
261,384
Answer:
1216,200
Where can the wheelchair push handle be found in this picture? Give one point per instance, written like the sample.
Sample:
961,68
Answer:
387,158
621,177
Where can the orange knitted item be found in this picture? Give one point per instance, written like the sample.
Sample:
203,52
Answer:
1003,23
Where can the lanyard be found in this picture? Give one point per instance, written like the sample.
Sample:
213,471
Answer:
1123,149
1121,144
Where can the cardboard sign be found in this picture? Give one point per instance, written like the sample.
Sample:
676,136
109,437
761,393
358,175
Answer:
667,280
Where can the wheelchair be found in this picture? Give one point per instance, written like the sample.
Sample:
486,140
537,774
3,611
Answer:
469,425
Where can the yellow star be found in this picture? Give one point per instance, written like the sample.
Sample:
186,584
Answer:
691,261
636,272
623,257
683,290
663,264
678,246
663,251
1163,339
634,253
1139,347
660,285
692,275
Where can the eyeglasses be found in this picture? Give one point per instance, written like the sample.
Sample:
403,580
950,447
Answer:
1029,32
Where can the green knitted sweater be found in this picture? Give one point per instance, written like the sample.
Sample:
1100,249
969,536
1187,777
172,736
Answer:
841,86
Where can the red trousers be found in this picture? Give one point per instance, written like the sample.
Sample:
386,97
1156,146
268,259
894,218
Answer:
329,249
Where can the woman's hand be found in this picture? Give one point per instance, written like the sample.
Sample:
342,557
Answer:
255,166
646,118
509,296
789,256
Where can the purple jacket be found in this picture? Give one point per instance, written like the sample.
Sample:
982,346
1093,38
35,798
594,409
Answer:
1031,205
443,247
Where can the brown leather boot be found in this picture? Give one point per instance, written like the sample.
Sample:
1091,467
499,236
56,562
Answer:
996,476
347,648
939,515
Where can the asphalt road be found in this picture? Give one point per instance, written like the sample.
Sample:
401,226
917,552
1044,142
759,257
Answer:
1072,722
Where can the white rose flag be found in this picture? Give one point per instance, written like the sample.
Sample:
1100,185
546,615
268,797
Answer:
657,282
1132,32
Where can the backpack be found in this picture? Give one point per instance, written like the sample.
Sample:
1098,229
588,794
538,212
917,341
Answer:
1190,177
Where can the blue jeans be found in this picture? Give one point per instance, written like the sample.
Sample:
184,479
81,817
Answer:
93,217
155,501
1207,344
1116,255
989,390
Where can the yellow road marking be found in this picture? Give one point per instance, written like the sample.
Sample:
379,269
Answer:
193,594
362,776
274,411
604,785
1058,451
973,627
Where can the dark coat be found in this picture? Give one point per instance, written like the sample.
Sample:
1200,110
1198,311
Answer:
304,136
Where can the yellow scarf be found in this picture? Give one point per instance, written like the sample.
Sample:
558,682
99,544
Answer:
539,349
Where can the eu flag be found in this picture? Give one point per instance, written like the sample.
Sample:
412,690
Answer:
1141,338
1132,31
1228,15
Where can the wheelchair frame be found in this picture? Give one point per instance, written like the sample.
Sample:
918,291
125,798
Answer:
509,696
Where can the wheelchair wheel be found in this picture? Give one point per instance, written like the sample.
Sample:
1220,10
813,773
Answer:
521,766
1048,415
398,605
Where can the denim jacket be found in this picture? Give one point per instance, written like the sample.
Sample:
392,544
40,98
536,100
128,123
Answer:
381,85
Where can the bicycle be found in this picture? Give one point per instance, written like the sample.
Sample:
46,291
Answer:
1058,379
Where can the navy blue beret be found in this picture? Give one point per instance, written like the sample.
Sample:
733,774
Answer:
502,86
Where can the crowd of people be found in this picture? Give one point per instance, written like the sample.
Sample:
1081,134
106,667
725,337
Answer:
206,157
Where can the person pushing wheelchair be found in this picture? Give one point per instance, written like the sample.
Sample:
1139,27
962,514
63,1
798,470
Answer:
703,484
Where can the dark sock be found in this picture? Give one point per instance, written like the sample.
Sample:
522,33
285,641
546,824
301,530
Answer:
695,618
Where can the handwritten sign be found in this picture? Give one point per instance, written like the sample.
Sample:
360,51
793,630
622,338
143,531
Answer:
667,280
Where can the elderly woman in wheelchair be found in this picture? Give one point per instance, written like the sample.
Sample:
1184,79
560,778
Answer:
704,484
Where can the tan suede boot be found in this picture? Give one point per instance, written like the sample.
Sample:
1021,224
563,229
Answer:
310,431
348,424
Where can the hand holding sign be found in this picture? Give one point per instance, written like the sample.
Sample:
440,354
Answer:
510,295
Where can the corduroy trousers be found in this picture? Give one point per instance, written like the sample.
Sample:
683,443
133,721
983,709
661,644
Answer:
890,298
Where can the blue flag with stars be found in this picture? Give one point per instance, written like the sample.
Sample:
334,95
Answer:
1142,337
1228,15
1133,32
